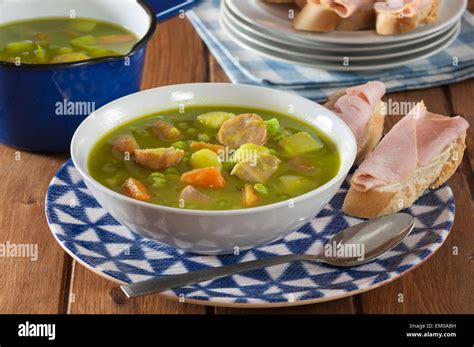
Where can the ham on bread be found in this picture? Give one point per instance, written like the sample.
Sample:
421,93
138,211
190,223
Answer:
421,151
401,16
388,17
328,15
360,108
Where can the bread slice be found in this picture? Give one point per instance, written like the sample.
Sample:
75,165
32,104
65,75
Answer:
391,23
316,17
372,135
374,129
432,14
395,197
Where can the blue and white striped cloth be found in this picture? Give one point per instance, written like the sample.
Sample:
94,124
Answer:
317,84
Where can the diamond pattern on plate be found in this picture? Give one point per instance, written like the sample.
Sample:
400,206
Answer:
98,241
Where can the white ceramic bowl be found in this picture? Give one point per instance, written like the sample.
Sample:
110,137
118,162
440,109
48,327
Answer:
212,232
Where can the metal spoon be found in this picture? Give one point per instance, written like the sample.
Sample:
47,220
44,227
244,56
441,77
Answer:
353,246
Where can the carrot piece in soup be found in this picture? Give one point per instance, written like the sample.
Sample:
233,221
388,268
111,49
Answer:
250,198
136,190
209,177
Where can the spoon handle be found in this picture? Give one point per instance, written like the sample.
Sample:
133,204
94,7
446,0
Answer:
156,285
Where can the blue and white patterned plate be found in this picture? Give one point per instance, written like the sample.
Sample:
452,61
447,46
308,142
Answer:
96,240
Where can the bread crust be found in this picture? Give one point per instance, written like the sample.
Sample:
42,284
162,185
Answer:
392,24
451,165
372,135
368,204
380,201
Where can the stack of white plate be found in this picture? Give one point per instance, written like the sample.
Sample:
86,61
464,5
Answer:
265,28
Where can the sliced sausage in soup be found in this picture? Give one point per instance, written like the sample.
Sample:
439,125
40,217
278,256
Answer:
243,129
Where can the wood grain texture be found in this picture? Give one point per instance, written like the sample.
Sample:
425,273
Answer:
462,104
29,286
175,55
470,5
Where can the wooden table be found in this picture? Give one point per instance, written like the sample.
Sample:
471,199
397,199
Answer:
57,284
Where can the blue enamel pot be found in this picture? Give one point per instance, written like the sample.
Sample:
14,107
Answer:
41,105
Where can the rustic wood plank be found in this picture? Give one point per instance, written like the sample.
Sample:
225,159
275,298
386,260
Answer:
462,103
439,285
175,55
216,73
29,286
470,5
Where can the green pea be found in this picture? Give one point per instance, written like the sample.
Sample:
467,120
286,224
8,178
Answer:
157,175
157,178
204,137
261,189
170,170
182,126
179,145
192,131
159,184
273,126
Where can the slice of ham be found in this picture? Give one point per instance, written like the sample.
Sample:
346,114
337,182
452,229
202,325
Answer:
355,112
436,132
415,140
344,8
370,92
407,7
355,108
